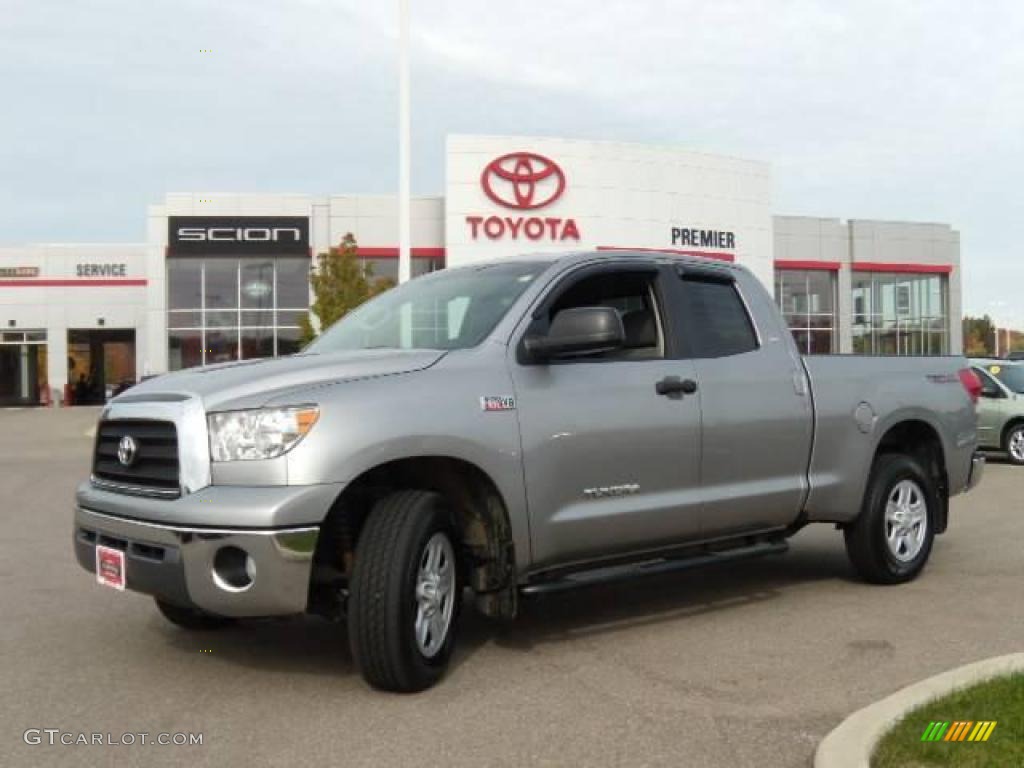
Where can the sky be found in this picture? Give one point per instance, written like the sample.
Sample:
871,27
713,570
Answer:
868,109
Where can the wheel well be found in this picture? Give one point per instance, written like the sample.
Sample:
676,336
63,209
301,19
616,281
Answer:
480,517
1016,421
919,440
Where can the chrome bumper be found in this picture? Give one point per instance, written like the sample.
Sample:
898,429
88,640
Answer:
977,471
177,563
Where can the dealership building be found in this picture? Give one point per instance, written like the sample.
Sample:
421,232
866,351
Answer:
224,277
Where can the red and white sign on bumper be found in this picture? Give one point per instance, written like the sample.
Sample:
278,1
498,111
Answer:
110,567
523,181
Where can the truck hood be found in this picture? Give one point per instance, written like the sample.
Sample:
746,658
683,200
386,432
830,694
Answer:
253,383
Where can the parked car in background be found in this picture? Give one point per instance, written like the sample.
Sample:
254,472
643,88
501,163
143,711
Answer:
1001,407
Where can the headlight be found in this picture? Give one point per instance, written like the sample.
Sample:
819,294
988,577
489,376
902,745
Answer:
263,433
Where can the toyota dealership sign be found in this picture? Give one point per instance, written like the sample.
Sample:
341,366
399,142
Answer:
522,182
512,195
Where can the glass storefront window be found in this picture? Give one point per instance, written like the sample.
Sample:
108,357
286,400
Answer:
178,318
293,283
807,300
223,309
221,346
900,314
221,320
220,283
184,284
257,283
288,341
261,318
23,366
257,342
185,349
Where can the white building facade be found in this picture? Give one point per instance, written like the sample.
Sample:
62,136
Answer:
225,276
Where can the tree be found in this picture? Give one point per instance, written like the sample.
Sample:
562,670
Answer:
979,336
340,282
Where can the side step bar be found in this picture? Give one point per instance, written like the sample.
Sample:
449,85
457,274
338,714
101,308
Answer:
613,573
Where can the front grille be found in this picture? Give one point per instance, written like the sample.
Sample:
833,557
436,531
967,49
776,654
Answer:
154,471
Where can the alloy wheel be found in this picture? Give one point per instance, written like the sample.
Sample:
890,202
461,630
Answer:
435,598
906,520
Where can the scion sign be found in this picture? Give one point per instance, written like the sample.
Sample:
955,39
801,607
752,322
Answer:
221,235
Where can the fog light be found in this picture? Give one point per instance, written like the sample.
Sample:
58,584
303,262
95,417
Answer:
233,569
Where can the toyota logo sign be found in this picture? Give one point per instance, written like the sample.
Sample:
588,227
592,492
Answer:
523,180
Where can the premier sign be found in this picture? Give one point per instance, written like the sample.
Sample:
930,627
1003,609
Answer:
237,235
703,238
522,181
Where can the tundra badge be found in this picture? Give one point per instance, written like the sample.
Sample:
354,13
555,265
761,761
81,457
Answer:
497,403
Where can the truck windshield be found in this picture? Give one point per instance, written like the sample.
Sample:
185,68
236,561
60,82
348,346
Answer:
449,309
1011,375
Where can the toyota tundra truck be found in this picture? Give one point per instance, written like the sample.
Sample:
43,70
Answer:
512,428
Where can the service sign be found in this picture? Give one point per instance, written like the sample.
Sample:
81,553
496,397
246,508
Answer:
237,235
101,270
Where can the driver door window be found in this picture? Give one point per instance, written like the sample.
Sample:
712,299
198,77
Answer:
633,296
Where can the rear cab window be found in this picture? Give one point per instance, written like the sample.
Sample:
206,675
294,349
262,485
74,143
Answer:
714,318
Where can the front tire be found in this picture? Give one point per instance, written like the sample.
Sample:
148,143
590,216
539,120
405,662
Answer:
405,592
889,543
1014,444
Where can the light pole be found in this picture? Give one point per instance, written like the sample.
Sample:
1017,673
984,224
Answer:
404,226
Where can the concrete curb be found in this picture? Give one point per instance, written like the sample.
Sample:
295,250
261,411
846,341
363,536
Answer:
851,743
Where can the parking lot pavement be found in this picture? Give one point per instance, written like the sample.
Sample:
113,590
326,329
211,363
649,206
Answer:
745,664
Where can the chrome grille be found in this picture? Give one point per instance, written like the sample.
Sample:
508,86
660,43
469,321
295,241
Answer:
154,468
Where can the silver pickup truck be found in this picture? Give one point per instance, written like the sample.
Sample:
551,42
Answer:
514,428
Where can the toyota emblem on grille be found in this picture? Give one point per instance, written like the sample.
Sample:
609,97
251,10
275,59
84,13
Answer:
523,180
127,450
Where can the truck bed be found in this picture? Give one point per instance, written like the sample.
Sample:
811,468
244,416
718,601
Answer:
857,398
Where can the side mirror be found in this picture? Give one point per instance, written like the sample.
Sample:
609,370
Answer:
578,331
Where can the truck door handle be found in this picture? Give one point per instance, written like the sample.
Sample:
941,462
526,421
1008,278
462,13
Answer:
672,385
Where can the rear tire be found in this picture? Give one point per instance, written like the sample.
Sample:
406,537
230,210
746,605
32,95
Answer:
1014,444
405,592
191,618
889,543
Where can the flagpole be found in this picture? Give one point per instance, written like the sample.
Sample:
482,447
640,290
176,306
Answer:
404,225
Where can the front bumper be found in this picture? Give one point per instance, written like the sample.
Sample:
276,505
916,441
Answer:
176,563
977,471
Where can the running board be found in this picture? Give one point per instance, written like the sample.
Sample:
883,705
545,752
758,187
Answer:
613,573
